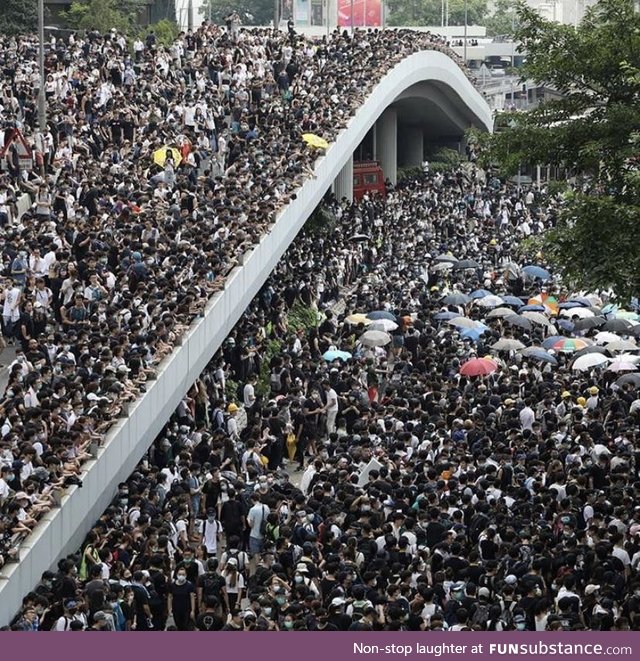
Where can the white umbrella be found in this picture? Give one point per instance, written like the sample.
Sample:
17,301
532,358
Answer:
622,345
375,338
499,312
507,344
492,301
605,337
588,361
536,317
463,322
622,366
628,357
583,313
441,266
384,325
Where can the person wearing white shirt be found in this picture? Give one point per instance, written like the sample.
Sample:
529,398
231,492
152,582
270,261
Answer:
527,416
331,407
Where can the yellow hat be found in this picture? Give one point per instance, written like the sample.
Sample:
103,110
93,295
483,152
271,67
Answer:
565,394
508,401
582,401
594,390
232,408
493,242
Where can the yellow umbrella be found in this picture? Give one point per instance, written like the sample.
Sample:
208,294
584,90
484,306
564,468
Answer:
357,319
160,155
315,141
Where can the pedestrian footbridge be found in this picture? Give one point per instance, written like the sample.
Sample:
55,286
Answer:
428,93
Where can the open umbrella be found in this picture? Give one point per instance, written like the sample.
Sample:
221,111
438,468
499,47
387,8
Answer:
618,365
632,379
578,311
478,367
384,325
315,141
588,361
514,301
375,339
465,322
627,314
551,340
456,298
160,155
594,348
567,305
441,266
443,316
622,345
507,344
381,314
512,272
499,312
550,303
588,323
446,258
335,354
536,317
360,237
569,344
617,325
604,337
480,293
536,272
582,300
357,319
491,301
518,320
472,333
466,264
538,353
533,307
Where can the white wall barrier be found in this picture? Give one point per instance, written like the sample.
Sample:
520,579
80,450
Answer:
62,530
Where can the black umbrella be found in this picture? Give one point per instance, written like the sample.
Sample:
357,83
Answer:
592,349
617,326
633,379
518,320
588,322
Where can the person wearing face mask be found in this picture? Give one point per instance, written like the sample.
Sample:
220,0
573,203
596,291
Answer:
6,476
181,601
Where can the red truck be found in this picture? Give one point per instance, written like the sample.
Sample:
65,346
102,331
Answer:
367,178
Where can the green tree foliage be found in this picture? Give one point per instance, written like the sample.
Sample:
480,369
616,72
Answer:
593,131
503,19
165,30
251,12
429,12
102,15
18,16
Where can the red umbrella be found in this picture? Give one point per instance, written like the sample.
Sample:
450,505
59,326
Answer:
478,367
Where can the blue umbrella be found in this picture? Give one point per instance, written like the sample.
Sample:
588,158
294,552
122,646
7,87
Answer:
611,308
532,308
480,293
472,333
536,272
512,300
550,341
565,324
335,354
538,353
446,316
457,298
381,314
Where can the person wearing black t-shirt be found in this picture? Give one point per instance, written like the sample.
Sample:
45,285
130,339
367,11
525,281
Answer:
182,600
209,620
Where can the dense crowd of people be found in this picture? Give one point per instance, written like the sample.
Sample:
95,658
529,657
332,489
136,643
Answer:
159,167
426,456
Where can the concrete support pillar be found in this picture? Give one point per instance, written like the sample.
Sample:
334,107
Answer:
387,143
413,141
343,184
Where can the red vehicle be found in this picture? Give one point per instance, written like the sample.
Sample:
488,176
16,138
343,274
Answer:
368,178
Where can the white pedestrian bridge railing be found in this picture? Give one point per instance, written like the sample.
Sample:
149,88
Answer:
62,530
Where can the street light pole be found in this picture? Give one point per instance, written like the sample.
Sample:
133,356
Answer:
466,7
42,99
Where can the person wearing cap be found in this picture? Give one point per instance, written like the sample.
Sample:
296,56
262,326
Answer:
593,399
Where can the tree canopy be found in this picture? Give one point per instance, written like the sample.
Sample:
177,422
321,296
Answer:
251,12
18,16
592,131
429,12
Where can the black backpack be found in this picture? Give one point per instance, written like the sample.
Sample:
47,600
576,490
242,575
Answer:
211,584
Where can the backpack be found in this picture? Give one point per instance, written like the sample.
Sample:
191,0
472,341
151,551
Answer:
263,522
481,615
239,556
211,584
